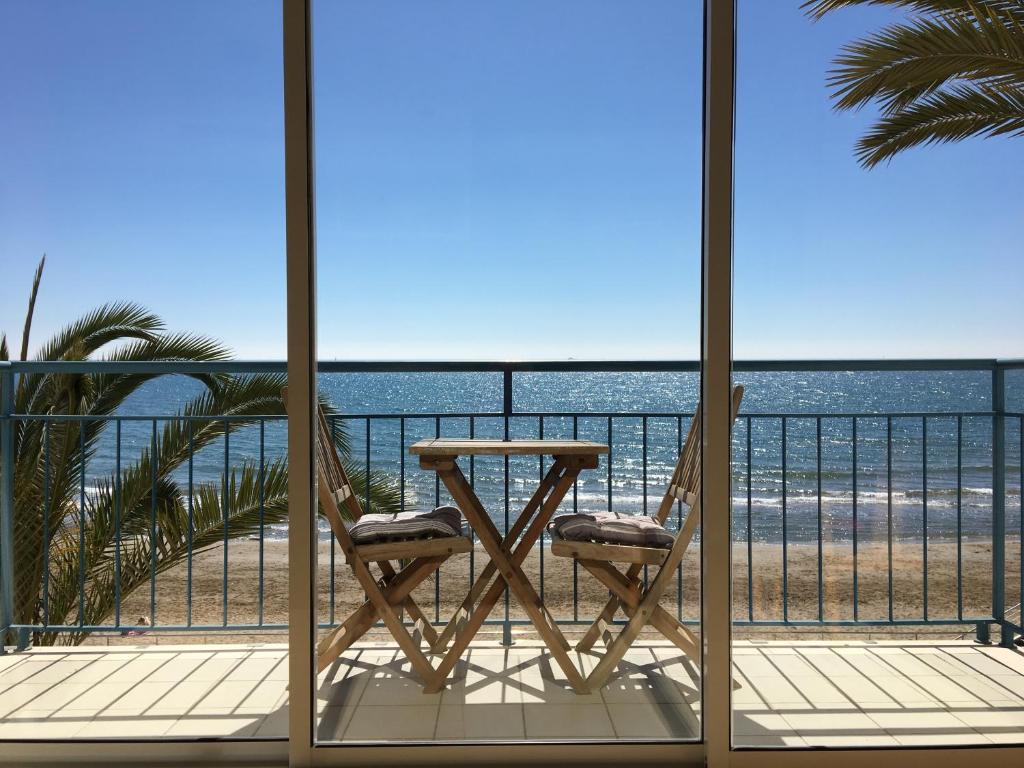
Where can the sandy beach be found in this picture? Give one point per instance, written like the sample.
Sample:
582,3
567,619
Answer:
766,591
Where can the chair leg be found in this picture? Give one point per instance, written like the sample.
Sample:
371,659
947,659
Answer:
420,664
382,605
628,594
646,606
593,632
336,643
614,601
416,614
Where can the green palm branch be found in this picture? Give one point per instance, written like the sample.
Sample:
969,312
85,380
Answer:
952,70
72,559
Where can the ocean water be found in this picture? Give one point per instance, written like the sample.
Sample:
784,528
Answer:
933,492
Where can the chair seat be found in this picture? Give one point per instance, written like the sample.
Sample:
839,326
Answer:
612,528
441,522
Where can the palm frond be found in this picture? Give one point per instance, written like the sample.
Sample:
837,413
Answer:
79,340
906,62
943,117
33,294
955,69
242,504
112,389
90,544
99,327
380,496
818,8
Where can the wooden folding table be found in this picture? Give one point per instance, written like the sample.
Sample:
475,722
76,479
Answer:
570,458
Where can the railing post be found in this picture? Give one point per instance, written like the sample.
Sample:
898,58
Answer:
999,505
6,501
506,410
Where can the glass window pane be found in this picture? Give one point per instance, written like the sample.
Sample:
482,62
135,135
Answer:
510,180
873,519
142,154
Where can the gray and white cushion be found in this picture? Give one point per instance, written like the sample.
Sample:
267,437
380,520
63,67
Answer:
612,528
438,523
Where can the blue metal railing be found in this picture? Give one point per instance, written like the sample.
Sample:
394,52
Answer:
754,434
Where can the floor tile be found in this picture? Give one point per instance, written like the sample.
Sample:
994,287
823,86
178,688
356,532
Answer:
775,690
265,694
1009,661
43,727
760,724
58,672
227,694
392,723
179,668
472,683
567,721
100,695
996,718
909,722
140,698
114,727
948,690
214,669
1009,737
989,661
768,741
862,690
812,725
253,669
224,723
50,698
481,721
103,671
940,738
274,725
331,722
838,741
654,720
183,697
538,684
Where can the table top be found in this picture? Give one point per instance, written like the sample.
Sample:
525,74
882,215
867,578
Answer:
481,447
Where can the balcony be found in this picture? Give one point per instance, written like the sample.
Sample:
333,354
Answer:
804,693
875,548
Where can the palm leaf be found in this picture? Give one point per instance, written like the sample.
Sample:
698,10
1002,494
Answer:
905,62
818,8
953,71
33,294
88,545
944,117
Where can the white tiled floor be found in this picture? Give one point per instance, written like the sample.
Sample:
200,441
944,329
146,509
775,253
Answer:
787,694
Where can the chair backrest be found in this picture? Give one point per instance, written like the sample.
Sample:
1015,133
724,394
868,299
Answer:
686,478
333,478
333,483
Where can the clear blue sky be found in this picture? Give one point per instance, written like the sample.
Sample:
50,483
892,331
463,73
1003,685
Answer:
502,179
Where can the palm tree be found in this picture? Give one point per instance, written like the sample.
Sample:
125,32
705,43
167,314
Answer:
953,69
139,521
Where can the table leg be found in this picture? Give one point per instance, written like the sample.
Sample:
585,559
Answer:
509,567
486,575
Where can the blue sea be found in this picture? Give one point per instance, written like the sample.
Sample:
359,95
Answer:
942,487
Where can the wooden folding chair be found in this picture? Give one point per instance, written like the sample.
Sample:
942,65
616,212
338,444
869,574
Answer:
641,606
392,592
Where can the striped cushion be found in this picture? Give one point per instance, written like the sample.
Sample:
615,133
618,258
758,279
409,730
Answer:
438,523
612,528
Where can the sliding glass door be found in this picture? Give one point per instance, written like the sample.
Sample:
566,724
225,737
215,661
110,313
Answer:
875,515
508,181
